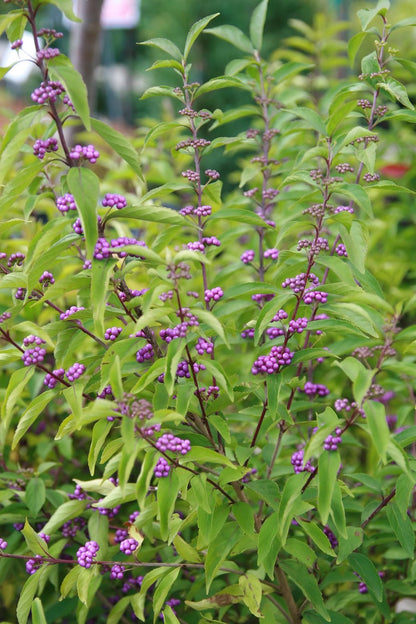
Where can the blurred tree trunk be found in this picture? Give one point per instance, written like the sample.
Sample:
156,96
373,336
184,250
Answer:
85,43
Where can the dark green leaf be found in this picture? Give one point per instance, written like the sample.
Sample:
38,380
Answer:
164,44
368,572
307,583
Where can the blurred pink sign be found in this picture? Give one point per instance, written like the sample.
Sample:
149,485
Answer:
120,13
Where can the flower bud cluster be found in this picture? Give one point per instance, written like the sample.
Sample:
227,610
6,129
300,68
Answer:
47,53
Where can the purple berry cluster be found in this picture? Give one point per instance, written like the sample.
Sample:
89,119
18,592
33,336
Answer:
248,256
313,390
145,353
41,147
33,564
114,200
297,326
47,53
47,92
66,202
46,278
86,554
183,369
52,379
272,253
331,442
112,333
271,363
171,333
31,339
298,283
16,258
128,546
331,537
84,152
72,310
213,294
204,346
75,371
169,442
162,468
298,463
33,356
315,295
117,571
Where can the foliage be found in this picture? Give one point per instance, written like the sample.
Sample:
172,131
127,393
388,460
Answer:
207,392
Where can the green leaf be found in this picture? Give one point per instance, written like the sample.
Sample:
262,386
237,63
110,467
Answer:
61,68
220,83
402,528
70,581
119,143
238,214
66,6
408,21
165,45
233,35
167,63
167,491
290,69
397,91
149,212
368,572
380,434
160,91
221,377
27,596
169,617
38,615
162,590
218,550
195,31
258,18
35,495
366,16
288,503
36,544
354,45
211,320
30,415
360,197
317,536
101,273
204,455
252,591
351,542
312,118
338,511
307,584
328,466
18,380
99,434
84,185
9,18
301,551
65,512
